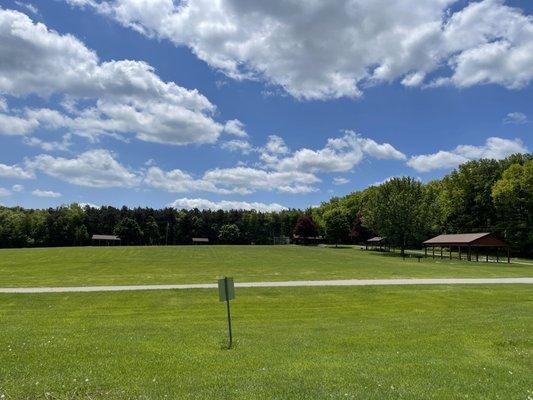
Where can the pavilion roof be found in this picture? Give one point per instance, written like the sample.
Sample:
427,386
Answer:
467,239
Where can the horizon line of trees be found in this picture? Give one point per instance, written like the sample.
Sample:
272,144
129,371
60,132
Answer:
484,195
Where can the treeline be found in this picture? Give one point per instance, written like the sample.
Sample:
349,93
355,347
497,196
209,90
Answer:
486,195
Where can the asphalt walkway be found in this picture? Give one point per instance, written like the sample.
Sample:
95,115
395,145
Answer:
343,282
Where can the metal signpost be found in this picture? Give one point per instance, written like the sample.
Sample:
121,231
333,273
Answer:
226,292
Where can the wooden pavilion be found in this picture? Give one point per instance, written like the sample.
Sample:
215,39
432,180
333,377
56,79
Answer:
376,241
468,242
106,239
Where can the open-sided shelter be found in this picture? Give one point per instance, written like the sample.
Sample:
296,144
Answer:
376,241
468,242
106,239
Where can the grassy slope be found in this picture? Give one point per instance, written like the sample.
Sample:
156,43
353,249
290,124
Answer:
194,264
307,343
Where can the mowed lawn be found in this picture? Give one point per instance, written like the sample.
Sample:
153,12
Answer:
438,342
200,264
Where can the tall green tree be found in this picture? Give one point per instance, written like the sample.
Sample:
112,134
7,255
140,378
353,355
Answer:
513,200
337,225
129,231
395,212
151,231
229,234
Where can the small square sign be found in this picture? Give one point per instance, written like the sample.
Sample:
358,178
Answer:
226,285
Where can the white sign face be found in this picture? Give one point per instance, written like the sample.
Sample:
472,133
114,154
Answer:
226,286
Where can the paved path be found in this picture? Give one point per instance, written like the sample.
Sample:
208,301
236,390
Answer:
344,282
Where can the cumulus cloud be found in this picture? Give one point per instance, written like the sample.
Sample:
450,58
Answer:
17,188
62,145
119,97
367,41
239,180
45,193
12,125
4,192
238,145
16,172
94,168
339,155
516,118
494,147
235,127
204,204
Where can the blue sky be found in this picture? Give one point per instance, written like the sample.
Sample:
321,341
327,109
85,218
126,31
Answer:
253,104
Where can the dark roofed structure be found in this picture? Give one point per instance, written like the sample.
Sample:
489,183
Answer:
472,239
105,238
376,241
468,241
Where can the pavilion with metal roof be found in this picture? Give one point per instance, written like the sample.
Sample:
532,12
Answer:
107,239
468,242
376,241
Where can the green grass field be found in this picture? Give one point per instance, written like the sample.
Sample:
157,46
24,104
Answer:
200,264
388,342
308,343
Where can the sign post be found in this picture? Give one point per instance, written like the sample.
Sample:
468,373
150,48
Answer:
226,292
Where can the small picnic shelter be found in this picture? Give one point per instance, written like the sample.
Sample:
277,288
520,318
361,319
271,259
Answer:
376,241
105,239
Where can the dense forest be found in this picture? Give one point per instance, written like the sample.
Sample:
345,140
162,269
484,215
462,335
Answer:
480,196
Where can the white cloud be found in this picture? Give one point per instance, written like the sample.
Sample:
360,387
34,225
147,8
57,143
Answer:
11,125
4,192
235,127
28,6
16,172
237,145
63,145
340,181
339,155
94,168
204,204
17,188
318,50
381,151
515,118
248,180
120,97
240,180
178,181
90,205
45,193
494,147
276,145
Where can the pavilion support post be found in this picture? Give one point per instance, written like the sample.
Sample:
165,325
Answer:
425,251
487,257
433,248
441,252
468,255
450,252
497,254
460,255
508,255
477,254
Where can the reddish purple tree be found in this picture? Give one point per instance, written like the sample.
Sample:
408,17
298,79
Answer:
359,233
305,228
